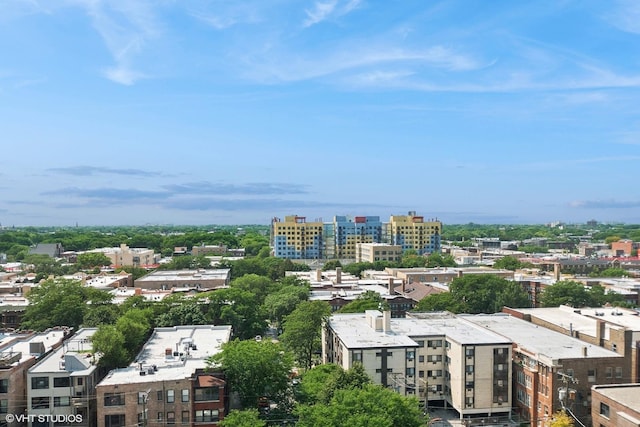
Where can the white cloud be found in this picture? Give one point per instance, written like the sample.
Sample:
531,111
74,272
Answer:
122,75
626,16
323,10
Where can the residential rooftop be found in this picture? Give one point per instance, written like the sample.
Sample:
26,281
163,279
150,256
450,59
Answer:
172,353
625,394
75,355
538,339
445,323
16,349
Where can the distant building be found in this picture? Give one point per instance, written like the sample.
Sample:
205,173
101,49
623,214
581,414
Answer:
623,247
209,250
126,256
412,232
295,238
372,252
169,383
616,405
350,231
54,250
181,280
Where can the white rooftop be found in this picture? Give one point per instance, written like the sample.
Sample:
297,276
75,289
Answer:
537,339
176,352
178,275
79,345
21,343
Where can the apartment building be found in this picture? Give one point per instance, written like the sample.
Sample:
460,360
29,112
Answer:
124,255
439,358
197,280
349,231
616,405
372,252
552,371
62,383
168,384
616,329
209,250
443,274
295,238
18,353
413,232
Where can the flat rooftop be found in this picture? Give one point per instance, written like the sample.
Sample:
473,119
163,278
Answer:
175,352
79,344
181,275
625,394
21,343
538,339
355,332
444,323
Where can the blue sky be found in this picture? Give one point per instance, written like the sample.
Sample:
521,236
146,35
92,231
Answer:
228,112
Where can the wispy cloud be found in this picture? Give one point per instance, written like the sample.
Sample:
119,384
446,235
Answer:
101,170
113,195
564,163
605,204
233,189
625,16
323,10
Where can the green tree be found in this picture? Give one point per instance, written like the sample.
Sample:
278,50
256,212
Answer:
109,343
186,313
437,260
371,405
508,263
100,314
611,239
565,292
353,378
134,326
477,293
303,330
281,303
331,264
236,307
260,286
245,418
369,300
610,272
255,369
92,259
60,302
314,382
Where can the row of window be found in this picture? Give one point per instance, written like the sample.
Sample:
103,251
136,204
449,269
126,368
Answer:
44,402
39,383
200,416
200,395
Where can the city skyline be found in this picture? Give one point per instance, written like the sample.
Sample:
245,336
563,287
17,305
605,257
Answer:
210,112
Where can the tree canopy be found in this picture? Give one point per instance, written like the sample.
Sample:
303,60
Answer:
303,330
255,369
575,294
477,293
369,300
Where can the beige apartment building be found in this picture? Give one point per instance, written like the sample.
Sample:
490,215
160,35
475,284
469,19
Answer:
124,255
616,405
372,252
412,232
437,357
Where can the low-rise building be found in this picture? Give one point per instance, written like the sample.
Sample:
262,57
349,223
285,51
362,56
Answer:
373,252
168,383
124,255
18,353
198,280
209,250
616,405
552,371
438,357
62,383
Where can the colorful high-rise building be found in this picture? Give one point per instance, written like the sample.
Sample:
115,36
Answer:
349,231
412,232
295,238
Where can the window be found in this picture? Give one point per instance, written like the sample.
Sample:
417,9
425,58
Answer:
171,396
411,355
469,384
185,417
469,401
40,402
160,395
604,410
142,397
4,406
618,372
171,417
608,372
59,401
160,416
4,385
421,359
591,375
114,399
206,415
357,357
434,343
185,395
202,394
115,420
420,343
468,369
39,383
470,352
570,372
421,374
61,382
411,372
